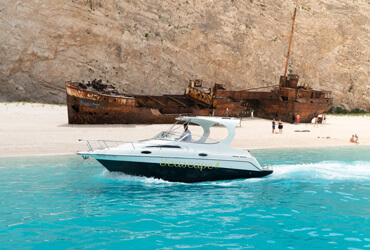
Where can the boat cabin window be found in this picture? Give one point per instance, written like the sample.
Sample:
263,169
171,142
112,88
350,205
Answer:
146,152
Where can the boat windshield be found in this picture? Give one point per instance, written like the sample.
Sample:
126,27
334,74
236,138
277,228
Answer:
175,134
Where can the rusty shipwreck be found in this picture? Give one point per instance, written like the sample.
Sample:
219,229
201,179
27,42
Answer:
98,103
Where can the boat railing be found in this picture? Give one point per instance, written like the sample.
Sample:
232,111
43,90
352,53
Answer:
104,144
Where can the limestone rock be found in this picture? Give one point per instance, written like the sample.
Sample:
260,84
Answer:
156,46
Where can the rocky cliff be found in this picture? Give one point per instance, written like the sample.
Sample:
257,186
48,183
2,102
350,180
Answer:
156,46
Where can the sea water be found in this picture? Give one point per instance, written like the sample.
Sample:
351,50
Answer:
315,199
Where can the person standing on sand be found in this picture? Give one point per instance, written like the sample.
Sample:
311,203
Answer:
316,122
273,125
356,139
298,119
324,118
280,127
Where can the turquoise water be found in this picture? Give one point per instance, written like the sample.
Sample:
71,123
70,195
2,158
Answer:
315,199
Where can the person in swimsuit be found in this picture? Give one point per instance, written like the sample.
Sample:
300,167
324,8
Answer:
280,127
273,125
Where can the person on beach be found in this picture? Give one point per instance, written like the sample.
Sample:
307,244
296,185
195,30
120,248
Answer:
354,139
324,118
280,127
186,135
273,125
298,119
316,122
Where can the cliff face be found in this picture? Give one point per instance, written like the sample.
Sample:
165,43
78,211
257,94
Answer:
156,46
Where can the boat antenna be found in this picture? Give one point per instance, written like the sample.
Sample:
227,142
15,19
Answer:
290,40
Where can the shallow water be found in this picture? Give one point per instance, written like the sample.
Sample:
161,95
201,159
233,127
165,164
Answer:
315,199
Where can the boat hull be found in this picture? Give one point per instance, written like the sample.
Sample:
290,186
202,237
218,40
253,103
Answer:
180,173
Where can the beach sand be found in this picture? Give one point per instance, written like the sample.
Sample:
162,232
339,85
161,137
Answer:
41,129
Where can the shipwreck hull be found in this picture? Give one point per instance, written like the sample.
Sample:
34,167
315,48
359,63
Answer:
287,111
103,113
85,107
305,110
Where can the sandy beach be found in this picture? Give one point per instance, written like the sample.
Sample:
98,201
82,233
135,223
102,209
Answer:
42,129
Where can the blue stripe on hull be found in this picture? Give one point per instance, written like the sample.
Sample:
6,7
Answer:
180,174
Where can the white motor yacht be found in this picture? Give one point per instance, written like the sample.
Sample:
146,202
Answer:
181,157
